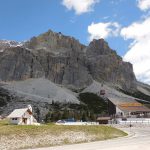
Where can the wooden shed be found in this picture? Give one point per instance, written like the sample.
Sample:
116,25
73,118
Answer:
103,120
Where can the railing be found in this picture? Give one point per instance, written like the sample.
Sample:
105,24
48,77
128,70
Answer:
130,116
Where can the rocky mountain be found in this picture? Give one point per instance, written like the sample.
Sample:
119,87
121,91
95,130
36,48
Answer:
63,60
55,67
4,44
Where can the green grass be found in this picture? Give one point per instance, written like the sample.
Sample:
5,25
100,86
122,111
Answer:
34,132
99,131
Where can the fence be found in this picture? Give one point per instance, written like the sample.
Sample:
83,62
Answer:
133,121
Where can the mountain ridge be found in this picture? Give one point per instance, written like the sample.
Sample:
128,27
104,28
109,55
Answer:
63,60
61,63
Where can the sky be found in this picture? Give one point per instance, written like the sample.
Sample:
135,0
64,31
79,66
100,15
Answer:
124,24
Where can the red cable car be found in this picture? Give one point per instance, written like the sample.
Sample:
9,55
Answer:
102,92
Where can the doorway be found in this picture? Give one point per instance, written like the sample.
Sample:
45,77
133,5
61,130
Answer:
24,120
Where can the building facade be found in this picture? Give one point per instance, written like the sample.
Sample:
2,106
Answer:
22,116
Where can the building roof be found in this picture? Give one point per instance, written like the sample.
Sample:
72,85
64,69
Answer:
103,118
17,113
128,104
134,108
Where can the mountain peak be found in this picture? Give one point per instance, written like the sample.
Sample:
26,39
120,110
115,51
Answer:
64,60
54,42
5,44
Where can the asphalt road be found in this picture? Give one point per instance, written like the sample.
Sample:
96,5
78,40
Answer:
138,139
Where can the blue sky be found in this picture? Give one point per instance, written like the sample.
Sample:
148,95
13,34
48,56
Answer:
22,19
112,20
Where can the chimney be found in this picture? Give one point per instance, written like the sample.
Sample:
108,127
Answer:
30,108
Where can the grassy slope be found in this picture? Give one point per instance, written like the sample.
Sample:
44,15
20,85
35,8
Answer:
50,135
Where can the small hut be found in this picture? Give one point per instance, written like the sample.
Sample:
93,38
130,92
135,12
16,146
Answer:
103,120
23,116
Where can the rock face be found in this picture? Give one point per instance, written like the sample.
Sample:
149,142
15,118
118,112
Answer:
63,60
105,65
4,44
18,63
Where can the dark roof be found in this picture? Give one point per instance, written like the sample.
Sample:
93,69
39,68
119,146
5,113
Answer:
103,118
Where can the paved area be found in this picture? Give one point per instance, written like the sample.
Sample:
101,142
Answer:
138,139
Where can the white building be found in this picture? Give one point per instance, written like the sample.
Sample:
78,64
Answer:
127,107
23,116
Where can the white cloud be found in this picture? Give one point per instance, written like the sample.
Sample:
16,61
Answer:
103,30
144,4
137,30
139,50
80,6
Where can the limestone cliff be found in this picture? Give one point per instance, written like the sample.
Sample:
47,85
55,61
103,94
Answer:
63,60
